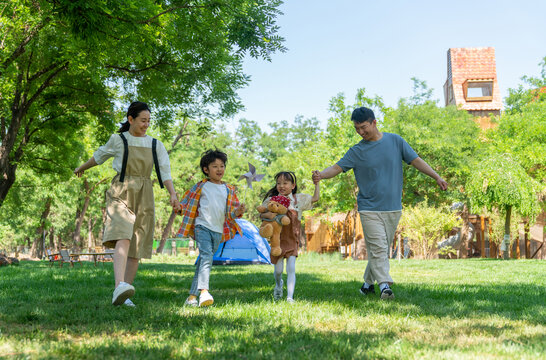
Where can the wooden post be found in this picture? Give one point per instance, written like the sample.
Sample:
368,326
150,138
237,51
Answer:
518,240
506,240
402,247
527,241
482,237
492,250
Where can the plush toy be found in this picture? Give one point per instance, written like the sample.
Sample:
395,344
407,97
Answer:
273,221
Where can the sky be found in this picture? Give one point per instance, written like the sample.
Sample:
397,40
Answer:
339,46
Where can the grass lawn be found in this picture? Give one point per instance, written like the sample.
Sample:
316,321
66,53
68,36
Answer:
444,309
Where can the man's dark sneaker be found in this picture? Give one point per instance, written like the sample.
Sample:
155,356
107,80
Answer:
386,293
367,291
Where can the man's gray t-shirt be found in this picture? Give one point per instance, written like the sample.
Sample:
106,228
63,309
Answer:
378,171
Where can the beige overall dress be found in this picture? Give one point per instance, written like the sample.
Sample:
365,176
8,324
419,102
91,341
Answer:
130,212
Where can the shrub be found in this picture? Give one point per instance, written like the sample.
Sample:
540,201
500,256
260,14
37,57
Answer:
425,225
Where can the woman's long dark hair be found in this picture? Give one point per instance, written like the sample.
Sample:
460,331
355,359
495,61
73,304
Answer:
134,110
287,175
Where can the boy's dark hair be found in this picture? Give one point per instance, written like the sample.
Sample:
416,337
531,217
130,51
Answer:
287,175
362,114
209,156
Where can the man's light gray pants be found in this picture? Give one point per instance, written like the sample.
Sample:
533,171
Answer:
379,228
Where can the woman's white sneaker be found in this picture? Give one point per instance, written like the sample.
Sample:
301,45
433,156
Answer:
123,292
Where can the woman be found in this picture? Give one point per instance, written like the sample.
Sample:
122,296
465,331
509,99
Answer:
130,210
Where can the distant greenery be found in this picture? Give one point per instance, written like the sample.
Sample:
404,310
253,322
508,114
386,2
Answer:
475,308
191,83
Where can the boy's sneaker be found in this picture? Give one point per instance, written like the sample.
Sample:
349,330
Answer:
367,291
290,300
205,299
277,291
191,302
122,293
386,293
129,303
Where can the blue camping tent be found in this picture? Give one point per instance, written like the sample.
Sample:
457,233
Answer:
250,248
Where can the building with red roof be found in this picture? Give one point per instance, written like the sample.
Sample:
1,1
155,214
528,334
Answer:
472,81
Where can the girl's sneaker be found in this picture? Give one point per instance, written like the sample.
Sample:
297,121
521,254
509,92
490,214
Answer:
191,302
290,300
205,299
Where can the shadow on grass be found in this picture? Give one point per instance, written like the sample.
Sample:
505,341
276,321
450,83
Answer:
50,298
238,339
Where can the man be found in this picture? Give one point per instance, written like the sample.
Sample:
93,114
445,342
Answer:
377,165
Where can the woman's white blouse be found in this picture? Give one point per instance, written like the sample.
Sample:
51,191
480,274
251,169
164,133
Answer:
114,148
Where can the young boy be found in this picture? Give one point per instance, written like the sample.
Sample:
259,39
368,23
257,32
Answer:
209,211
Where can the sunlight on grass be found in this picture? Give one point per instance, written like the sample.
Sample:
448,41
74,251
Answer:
443,309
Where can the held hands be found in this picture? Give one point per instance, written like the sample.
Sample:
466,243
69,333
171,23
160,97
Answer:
316,176
240,210
175,203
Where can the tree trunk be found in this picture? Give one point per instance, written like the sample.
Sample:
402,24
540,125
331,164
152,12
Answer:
59,244
52,238
76,238
101,231
166,233
14,141
38,246
8,166
506,253
90,239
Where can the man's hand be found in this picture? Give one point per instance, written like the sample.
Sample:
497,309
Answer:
316,176
441,183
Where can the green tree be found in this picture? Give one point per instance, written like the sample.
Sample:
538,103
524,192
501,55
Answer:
533,90
64,61
523,135
499,182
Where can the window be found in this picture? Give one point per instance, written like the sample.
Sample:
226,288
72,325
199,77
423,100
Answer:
478,90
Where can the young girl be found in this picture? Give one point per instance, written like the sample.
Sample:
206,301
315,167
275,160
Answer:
286,185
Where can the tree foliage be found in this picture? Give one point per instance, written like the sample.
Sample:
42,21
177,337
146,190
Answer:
62,61
500,182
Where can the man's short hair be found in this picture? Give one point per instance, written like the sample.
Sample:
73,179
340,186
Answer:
362,114
209,156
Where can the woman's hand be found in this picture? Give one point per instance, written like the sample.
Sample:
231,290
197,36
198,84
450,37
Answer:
175,203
